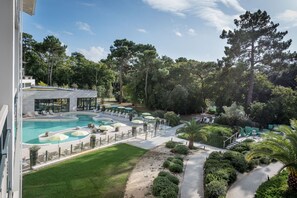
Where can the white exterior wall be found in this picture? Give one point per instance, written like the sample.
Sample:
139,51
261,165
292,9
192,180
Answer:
29,97
10,59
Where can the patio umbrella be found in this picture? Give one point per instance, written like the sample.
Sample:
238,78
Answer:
121,107
80,133
137,121
146,114
118,124
58,137
105,127
149,117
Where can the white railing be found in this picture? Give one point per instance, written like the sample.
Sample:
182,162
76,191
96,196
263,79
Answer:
4,143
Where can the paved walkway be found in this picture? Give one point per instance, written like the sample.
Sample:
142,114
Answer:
192,185
247,184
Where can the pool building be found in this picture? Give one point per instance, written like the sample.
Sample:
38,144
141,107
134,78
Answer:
53,99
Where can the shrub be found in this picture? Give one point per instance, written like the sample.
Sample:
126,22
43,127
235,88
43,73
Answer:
180,149
171,177
215,155
172,118
264,160
177,161
237,160
210,177
168,193
171,144
161,184
166,164
158,113
230,175
33,155
276,187
179,157
170,159
175,168
252,164
215,189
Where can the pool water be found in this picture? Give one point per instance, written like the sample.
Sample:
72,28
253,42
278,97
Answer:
31,129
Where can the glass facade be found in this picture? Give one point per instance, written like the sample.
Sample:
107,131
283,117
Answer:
84,104
56,105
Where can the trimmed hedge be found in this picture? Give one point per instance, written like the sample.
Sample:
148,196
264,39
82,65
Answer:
216,188
237,160
218,174
175,168
171,144
174,164
276,187
171,177
161,184
166,164
180,149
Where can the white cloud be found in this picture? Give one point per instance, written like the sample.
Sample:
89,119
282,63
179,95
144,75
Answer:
68,33
94,53
174,6
208,10
177,33
192,32
38,26
233,4
87,4
141,30
84,26
289,17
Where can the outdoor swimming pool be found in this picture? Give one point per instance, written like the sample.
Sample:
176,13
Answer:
32,129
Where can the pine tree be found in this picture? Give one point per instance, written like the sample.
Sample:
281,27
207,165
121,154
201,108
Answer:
256,43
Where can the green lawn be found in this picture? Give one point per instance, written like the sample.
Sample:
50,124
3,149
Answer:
102,173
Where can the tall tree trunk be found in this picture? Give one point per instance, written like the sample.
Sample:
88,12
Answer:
191,143
51,74
145,86
121,84
48,73
251,78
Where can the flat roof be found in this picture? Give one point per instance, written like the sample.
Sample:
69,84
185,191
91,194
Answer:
49,88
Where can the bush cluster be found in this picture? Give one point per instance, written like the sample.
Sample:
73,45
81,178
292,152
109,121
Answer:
276,187
165,185
180,149
237,160
159,113
171,177
171,144
174,164
172,118
218,174
243,146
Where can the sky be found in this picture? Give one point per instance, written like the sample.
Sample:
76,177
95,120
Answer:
177,28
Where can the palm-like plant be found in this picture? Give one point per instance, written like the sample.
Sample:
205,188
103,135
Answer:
282,148
193,130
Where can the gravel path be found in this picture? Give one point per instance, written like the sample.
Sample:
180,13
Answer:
247,184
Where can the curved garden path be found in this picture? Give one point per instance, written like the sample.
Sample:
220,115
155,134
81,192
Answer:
247,183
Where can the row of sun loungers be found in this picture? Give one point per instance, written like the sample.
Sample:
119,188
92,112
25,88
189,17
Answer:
115,113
